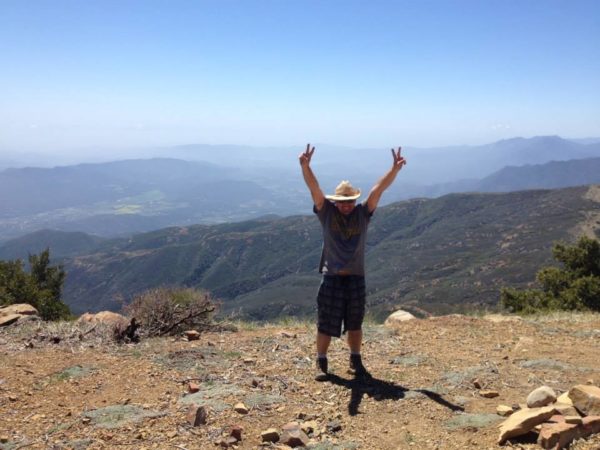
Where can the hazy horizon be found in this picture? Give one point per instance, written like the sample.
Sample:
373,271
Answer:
99,78
74,157
92,154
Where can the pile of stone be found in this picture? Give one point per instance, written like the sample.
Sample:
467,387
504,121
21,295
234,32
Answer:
17,313
558,421
293,434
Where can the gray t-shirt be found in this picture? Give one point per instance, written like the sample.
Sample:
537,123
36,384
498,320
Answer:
344,239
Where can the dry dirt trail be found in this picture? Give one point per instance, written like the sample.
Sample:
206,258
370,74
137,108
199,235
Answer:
83,394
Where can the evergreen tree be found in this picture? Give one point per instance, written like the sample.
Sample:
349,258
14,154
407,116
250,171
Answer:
574,286
41,288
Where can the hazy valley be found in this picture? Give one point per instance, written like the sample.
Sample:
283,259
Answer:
217,184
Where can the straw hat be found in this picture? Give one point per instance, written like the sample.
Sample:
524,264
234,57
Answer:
343,192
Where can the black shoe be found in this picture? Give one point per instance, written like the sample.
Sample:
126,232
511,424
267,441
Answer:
357,368
322,370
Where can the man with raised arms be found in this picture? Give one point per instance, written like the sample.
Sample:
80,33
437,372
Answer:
341,297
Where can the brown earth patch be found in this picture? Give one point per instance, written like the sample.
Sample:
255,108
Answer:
423,394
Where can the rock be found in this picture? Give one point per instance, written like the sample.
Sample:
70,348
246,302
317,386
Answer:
9,319
334,426
16,313
309,426
270,435
574,419
227,442
398,317
565,409
193,387
236,431
240,408
556,435
522,421
23,309
291,426
106,317
192,335
116,416
489,393
477,383
542,396
504,411
564,399
591,424
499,318
560,435
586,399
3,439
293,435
197,415
557,418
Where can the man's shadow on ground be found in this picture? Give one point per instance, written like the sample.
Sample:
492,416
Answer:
382,390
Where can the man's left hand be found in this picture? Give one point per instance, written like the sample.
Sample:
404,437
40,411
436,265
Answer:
399,160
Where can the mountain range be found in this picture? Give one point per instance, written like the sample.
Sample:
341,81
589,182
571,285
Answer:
216,184
448,254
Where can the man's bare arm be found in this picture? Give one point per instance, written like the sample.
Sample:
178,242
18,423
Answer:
385,181
310,179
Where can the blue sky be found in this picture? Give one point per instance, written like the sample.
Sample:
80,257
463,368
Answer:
77,75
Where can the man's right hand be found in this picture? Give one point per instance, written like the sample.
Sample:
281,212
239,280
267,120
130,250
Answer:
306,156
310,179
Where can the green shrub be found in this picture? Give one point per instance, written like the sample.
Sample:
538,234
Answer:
573,287
163,311
41,287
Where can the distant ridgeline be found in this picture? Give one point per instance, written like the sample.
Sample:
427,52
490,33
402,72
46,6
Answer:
444,255
227,184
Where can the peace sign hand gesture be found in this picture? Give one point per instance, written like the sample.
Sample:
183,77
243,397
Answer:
399,160
306,156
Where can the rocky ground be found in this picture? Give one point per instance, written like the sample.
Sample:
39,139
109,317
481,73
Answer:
61,388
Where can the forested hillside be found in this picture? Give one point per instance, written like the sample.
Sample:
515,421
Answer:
447,254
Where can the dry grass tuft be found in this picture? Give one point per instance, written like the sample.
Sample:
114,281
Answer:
32,334
563,316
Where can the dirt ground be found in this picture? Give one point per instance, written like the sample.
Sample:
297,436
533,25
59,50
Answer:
83,393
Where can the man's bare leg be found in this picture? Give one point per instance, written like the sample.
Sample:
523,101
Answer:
355,340
323,342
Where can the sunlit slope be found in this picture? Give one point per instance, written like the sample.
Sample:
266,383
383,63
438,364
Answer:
446,254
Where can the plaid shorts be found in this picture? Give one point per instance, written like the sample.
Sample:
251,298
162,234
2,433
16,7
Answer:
341,299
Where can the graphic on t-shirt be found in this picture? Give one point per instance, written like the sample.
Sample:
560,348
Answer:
347,226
